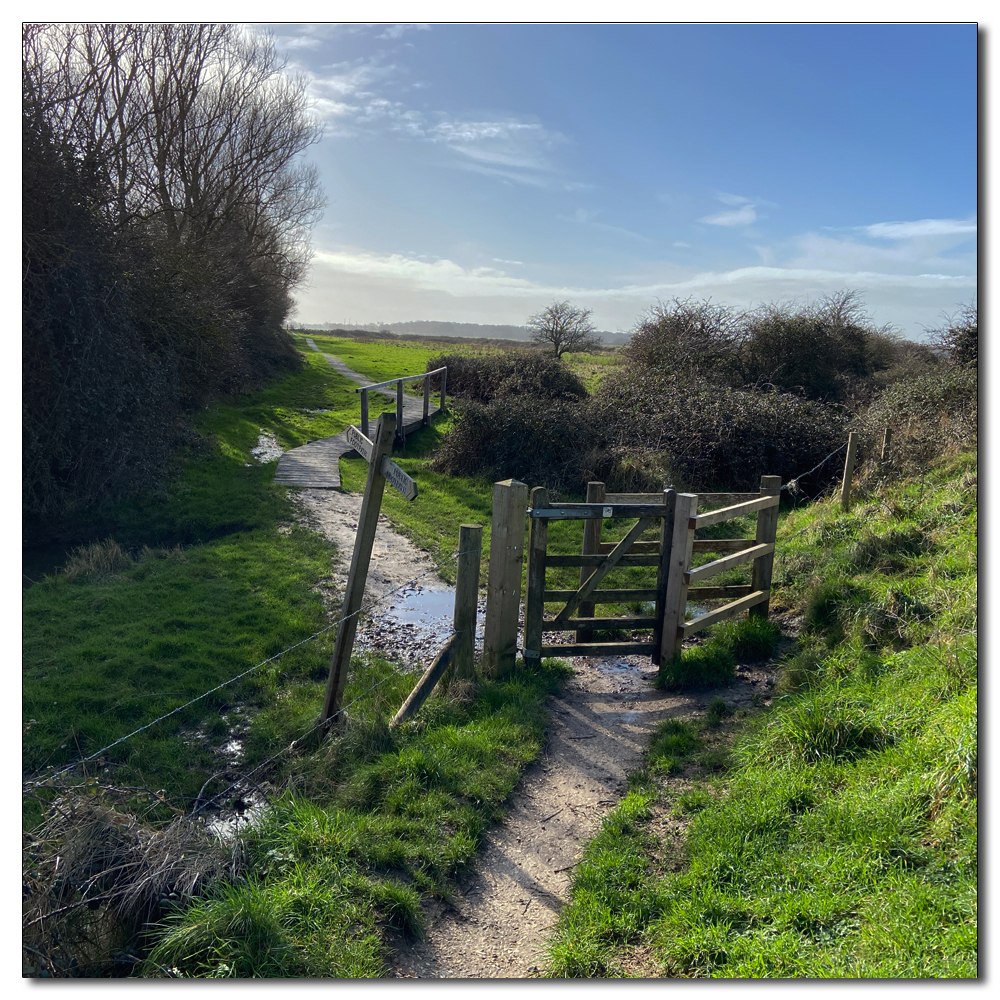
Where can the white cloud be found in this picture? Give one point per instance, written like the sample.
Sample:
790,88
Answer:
500,260
397,30
681,245
923,227
732,199
744,216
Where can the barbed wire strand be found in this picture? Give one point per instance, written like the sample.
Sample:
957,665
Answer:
792,484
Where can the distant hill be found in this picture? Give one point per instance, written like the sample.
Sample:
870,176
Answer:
440,328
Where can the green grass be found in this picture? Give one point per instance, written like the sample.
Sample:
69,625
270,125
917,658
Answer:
379,360
840,840
377,820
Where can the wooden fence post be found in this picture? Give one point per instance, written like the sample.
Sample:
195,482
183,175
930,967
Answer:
886,441
845,486
591,546
340,662
427,400
444,386
364,413
470,545
767,530
675,601
400,428
534,607
663,570
503,598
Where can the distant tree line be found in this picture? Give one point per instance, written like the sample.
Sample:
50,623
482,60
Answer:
166,218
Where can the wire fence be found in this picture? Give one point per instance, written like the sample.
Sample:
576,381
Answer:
32,785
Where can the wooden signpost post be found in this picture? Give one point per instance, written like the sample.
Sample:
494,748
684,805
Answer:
381,468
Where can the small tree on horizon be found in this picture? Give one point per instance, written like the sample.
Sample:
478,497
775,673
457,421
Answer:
563,327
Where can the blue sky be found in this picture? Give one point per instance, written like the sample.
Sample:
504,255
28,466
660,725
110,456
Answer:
478,172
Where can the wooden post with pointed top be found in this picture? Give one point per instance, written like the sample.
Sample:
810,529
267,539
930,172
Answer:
340,662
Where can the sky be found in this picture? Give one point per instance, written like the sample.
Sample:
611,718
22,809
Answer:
476,173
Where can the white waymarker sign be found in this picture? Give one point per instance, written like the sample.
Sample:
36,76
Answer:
364,446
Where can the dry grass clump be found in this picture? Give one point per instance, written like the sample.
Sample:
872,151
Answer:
95,878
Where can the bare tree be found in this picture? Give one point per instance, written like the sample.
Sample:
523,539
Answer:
194,129
563,328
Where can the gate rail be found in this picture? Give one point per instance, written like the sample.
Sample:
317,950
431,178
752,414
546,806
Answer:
759,550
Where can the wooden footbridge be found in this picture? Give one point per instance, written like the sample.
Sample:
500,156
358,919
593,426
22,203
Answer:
316,465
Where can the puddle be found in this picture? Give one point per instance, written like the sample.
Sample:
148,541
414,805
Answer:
422,607
621,667
227,825
268,449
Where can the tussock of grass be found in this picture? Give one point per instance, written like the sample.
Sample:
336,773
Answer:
845,843
713,663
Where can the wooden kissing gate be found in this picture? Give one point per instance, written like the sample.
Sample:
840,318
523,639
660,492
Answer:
671,555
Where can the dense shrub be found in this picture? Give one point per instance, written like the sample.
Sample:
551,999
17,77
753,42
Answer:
929,415
960,338
543,442
482,378
830,351
696,435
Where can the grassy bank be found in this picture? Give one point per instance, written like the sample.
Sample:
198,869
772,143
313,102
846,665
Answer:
841,839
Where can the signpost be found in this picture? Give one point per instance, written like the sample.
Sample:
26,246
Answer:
381,469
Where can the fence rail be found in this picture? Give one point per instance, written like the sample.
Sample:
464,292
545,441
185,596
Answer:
398,383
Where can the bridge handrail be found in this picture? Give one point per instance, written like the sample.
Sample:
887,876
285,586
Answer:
399,378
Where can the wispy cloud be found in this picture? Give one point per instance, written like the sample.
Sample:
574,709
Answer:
395,31
923,227
745,216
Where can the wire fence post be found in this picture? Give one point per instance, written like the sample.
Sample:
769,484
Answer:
845,486
340,662
470,545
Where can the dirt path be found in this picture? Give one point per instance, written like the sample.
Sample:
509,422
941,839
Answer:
498,922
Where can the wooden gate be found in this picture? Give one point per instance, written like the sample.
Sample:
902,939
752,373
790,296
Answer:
671,555
577,613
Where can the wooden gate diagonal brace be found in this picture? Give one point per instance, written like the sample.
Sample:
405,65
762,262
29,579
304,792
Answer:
610,561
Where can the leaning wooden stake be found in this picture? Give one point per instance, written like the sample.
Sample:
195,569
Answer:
368,520
503,598
470,545
422,691
845,486
767,530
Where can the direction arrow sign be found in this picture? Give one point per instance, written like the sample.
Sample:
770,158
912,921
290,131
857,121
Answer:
392,472
395,475
361,444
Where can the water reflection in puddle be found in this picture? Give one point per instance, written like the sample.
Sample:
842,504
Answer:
413,625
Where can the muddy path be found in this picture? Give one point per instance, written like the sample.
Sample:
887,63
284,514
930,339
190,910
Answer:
497,923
